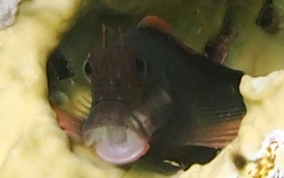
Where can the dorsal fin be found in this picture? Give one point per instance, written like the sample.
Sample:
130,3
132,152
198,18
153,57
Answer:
162,26
155,22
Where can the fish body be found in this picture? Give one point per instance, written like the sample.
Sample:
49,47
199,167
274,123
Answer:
154,96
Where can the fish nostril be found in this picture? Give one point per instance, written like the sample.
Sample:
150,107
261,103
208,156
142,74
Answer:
112,82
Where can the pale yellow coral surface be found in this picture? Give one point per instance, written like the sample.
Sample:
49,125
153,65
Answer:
33,145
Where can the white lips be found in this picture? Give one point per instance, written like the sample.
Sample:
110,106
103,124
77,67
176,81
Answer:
117,145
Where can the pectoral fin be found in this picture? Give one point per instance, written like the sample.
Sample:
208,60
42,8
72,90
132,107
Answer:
70,125
214,135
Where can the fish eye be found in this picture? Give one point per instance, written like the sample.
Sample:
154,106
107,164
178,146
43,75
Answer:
87,69
140,66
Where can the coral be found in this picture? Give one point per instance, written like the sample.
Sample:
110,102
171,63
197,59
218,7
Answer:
8,10
33,145
252,49
257,152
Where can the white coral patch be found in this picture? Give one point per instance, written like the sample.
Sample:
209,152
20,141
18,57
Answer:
8,10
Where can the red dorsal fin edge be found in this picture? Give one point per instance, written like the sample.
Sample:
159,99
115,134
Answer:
155,22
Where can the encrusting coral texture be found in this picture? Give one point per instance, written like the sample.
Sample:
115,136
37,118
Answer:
35,146
8,10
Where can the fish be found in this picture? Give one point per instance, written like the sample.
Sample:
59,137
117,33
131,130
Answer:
68,123
58,69
156,99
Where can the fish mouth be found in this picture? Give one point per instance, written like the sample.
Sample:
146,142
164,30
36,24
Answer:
119,134
117,145
115,134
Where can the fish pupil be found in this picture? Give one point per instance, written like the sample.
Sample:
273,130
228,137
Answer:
140,66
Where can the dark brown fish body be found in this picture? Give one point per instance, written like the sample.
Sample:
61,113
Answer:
153,96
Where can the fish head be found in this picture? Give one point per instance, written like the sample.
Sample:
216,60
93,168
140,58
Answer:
130,100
